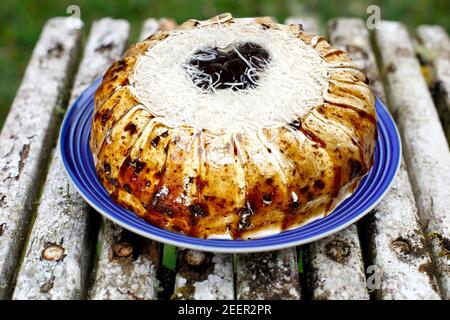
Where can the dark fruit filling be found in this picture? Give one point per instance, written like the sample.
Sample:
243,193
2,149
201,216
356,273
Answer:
236,68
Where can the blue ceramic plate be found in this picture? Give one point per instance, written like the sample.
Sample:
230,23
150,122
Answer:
78,161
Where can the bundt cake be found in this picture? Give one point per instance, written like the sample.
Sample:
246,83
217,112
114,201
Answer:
233,128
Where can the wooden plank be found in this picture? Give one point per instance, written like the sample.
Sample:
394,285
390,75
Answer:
58,255
203,276
403,274
425,146
128,264
268,275
335,268
396,246
271,275
28,136
437,53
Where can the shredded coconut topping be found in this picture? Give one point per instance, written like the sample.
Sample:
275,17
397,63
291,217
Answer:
289,86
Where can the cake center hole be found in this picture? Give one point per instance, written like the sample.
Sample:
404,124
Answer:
235,68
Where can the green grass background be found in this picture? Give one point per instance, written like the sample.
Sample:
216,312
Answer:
21,20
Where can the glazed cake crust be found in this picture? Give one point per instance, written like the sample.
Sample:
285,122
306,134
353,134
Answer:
223,181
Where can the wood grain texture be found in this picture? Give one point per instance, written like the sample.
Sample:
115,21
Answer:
425,146
127,266
397,248
203,276
268,275
395,241
28,137
63,219
436,53
335,270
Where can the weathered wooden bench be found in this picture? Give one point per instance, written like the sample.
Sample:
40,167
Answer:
53,246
